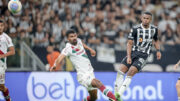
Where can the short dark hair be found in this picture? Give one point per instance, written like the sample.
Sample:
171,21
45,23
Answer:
1,21
148,13
70,31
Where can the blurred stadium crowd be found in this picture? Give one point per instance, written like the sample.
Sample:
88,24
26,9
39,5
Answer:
98,22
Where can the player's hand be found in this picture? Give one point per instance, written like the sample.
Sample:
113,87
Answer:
176,65
129,60
158,54
2,56
52,68
93,52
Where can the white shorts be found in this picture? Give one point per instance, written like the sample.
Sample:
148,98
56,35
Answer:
86,79
2,75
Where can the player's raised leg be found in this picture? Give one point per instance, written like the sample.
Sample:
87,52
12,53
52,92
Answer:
5,92
97,84
120,77
132,71
92,95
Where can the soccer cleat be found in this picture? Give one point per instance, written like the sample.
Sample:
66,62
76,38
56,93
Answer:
118,98
112,99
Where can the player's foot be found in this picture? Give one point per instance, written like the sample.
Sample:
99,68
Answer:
118,97
112,99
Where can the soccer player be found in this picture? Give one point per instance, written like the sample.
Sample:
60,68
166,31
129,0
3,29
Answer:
178,81
75,50
140,40
5,44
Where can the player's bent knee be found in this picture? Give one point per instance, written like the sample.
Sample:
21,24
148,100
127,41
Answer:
131,73
2,87
178,85
123,68
96,83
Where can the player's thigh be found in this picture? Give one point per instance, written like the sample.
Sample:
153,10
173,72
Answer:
132,71
93,94
96,83
2,76
124,66
139,62
85,79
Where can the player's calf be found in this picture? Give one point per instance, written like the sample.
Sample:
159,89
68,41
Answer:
178,89
93,95
5,92
90,98
96,83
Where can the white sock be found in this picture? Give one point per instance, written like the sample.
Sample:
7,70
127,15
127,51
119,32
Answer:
178,98
125,85
119,81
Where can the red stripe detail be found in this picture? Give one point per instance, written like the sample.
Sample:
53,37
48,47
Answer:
1,52
77,49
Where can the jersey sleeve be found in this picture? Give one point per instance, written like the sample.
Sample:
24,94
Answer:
9,41
155,37
79,40
132,34
65,51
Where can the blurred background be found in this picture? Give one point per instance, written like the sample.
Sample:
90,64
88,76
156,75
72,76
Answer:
38,33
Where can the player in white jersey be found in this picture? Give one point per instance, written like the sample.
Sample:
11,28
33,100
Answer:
75,50
6,49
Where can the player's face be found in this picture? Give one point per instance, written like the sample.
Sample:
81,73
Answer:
72,38
146,19
1,27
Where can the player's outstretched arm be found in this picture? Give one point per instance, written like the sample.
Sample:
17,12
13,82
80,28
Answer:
176,65
93,52
157,46
57,61
129,49
9,53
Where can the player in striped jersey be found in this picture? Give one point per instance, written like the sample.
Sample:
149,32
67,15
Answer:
75,50
6,49
140,41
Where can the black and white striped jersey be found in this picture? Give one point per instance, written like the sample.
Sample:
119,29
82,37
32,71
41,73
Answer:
143,38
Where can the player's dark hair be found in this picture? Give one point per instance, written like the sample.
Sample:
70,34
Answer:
148,13
70,31
1,21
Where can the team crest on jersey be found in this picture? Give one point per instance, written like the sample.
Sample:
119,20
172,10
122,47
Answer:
140,39
74,50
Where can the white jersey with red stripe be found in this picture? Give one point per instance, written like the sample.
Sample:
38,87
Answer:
78,57
5,43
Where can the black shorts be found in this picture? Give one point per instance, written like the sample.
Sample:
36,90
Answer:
138,60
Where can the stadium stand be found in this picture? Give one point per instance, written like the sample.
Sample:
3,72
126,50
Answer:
104,23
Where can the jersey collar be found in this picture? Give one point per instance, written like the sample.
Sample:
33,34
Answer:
146,28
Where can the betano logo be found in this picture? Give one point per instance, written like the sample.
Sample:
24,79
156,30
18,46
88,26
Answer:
50,87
